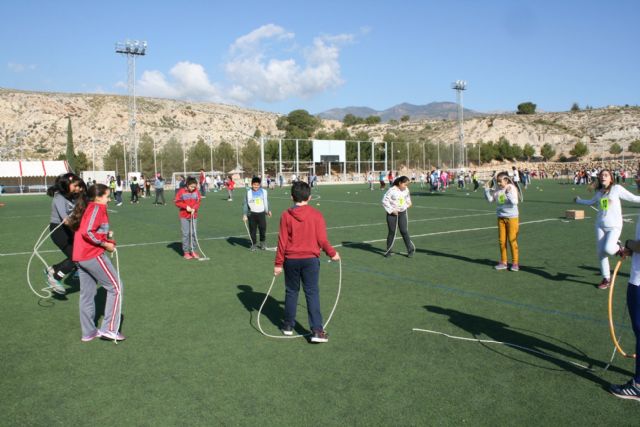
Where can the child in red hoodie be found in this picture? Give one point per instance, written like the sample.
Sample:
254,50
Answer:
188,200
302,234
230,186
92,238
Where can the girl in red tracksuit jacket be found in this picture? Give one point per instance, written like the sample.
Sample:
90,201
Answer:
230,186
188,200
92,238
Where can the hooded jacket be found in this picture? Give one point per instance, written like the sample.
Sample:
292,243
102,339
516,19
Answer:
92,233
302,234
185,198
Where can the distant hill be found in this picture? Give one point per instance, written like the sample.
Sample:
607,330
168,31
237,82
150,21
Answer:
433,110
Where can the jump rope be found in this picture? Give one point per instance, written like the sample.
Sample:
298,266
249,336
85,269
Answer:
395,233
273,281
47,293
194,233
246,226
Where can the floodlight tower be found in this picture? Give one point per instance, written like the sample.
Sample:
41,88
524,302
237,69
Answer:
459,86
132,49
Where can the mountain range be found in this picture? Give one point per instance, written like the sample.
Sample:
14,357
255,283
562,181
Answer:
433,110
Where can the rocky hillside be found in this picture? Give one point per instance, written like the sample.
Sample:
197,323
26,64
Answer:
42,119
433,110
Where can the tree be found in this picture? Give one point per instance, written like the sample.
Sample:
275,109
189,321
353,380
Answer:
198,156
350,120
405,118
504,149
224,157
634,147
615,149
547,151
575,107
372,120
145,155
70,156
82,163
114,159
251,157
527,108
171,157
579,150
528,151
300,124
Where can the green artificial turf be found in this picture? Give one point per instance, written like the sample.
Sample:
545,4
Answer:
194,356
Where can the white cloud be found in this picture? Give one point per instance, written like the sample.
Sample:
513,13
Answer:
19,68
263,65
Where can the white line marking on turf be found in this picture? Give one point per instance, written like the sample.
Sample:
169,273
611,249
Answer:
413,206
166,242
452,231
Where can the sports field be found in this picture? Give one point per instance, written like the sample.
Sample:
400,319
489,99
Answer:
194,356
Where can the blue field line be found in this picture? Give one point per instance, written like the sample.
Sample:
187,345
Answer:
473,294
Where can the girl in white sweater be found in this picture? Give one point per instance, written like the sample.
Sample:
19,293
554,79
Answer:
609,220
396,201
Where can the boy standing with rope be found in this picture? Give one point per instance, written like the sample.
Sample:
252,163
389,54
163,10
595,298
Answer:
255,210
302,234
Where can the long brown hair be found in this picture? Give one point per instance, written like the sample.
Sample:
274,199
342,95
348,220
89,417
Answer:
97,190
597,185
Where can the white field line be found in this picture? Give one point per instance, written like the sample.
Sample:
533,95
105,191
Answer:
166,242
464,230
414,206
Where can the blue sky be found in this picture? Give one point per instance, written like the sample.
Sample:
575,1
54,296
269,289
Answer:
283,55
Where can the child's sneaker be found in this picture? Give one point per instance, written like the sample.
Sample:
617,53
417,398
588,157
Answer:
111,336
195,255
501,266
187,255
319,336
604,284
54,283
95,334
262,246
287,330
630,390
515,267
253,248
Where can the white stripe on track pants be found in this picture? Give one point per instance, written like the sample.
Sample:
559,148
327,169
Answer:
100,271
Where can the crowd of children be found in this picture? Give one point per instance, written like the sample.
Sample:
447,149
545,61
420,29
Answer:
80,228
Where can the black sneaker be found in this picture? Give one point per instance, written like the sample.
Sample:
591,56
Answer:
629,390
287,330
388,254
319,336
410,253
262,246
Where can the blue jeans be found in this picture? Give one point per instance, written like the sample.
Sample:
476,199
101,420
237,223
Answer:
633,302
307,269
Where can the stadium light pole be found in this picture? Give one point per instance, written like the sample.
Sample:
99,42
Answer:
132,49
459,86
155,161
124,152
184,160
210,143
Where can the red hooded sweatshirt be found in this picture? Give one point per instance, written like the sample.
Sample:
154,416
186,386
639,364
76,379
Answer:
92,232
302,234
185,198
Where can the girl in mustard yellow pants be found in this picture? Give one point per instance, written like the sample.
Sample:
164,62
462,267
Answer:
506,198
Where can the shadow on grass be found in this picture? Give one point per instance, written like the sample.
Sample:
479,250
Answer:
239,241
531,344
364,247
176,247
596,270
272,310
538,271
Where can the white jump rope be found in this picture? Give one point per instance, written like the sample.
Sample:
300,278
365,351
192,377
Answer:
246,226
193,233
395,233
305,335
46,292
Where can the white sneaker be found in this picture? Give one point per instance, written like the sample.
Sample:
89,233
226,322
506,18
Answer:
54,283
112,336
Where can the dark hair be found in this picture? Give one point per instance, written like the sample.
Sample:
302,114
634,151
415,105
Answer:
300,191
98,190
119,180
503,175
62,184
598,182
256,179
191,180
400,180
